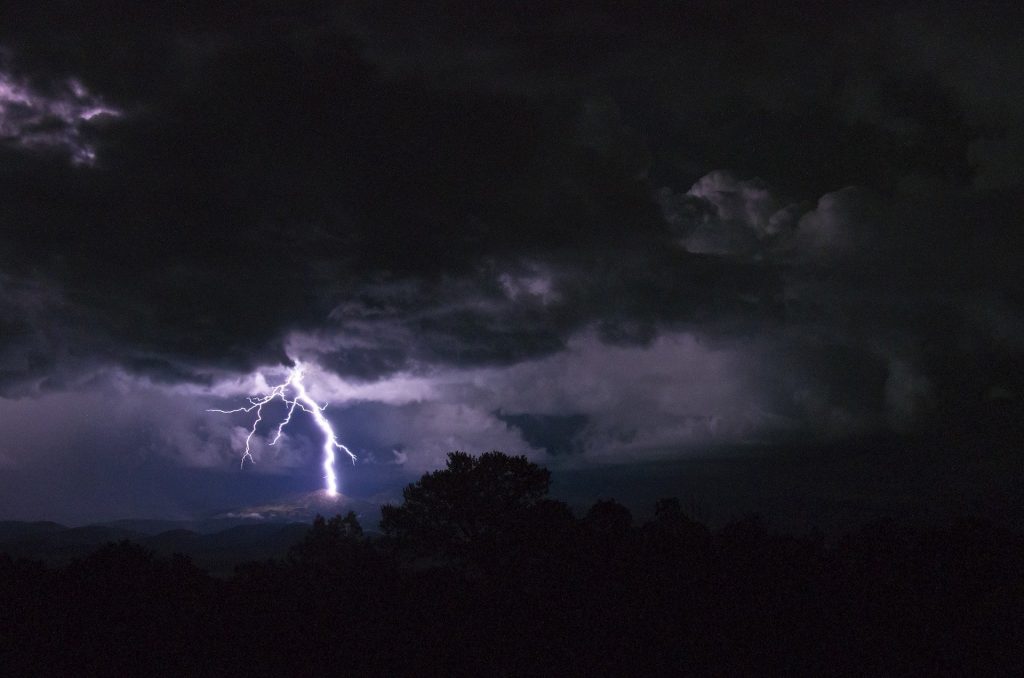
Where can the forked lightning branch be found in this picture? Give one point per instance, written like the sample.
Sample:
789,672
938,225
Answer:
299,399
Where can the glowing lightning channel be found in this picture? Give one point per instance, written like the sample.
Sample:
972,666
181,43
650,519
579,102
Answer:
302,401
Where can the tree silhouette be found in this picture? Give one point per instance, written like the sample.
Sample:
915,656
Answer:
505,581
609,517
671,525
470,502
326,538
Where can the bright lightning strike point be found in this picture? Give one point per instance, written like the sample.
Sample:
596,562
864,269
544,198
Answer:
300,399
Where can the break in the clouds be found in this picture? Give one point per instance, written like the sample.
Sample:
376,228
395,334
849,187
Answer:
583,234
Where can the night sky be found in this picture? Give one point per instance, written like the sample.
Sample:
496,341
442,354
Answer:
762,256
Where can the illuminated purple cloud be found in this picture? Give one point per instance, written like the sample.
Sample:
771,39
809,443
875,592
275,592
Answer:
33,119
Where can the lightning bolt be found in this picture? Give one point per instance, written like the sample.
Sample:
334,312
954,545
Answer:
299,400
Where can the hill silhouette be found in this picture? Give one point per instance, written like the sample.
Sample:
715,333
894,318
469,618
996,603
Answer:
479,572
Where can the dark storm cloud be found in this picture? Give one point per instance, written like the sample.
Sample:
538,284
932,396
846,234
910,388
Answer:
405,189
501,315
263,172
48,344
555,434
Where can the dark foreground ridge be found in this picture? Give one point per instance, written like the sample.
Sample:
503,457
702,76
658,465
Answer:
478,572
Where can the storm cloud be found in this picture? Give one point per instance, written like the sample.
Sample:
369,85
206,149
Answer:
588,235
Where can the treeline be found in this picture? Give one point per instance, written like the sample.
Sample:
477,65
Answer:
480,573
